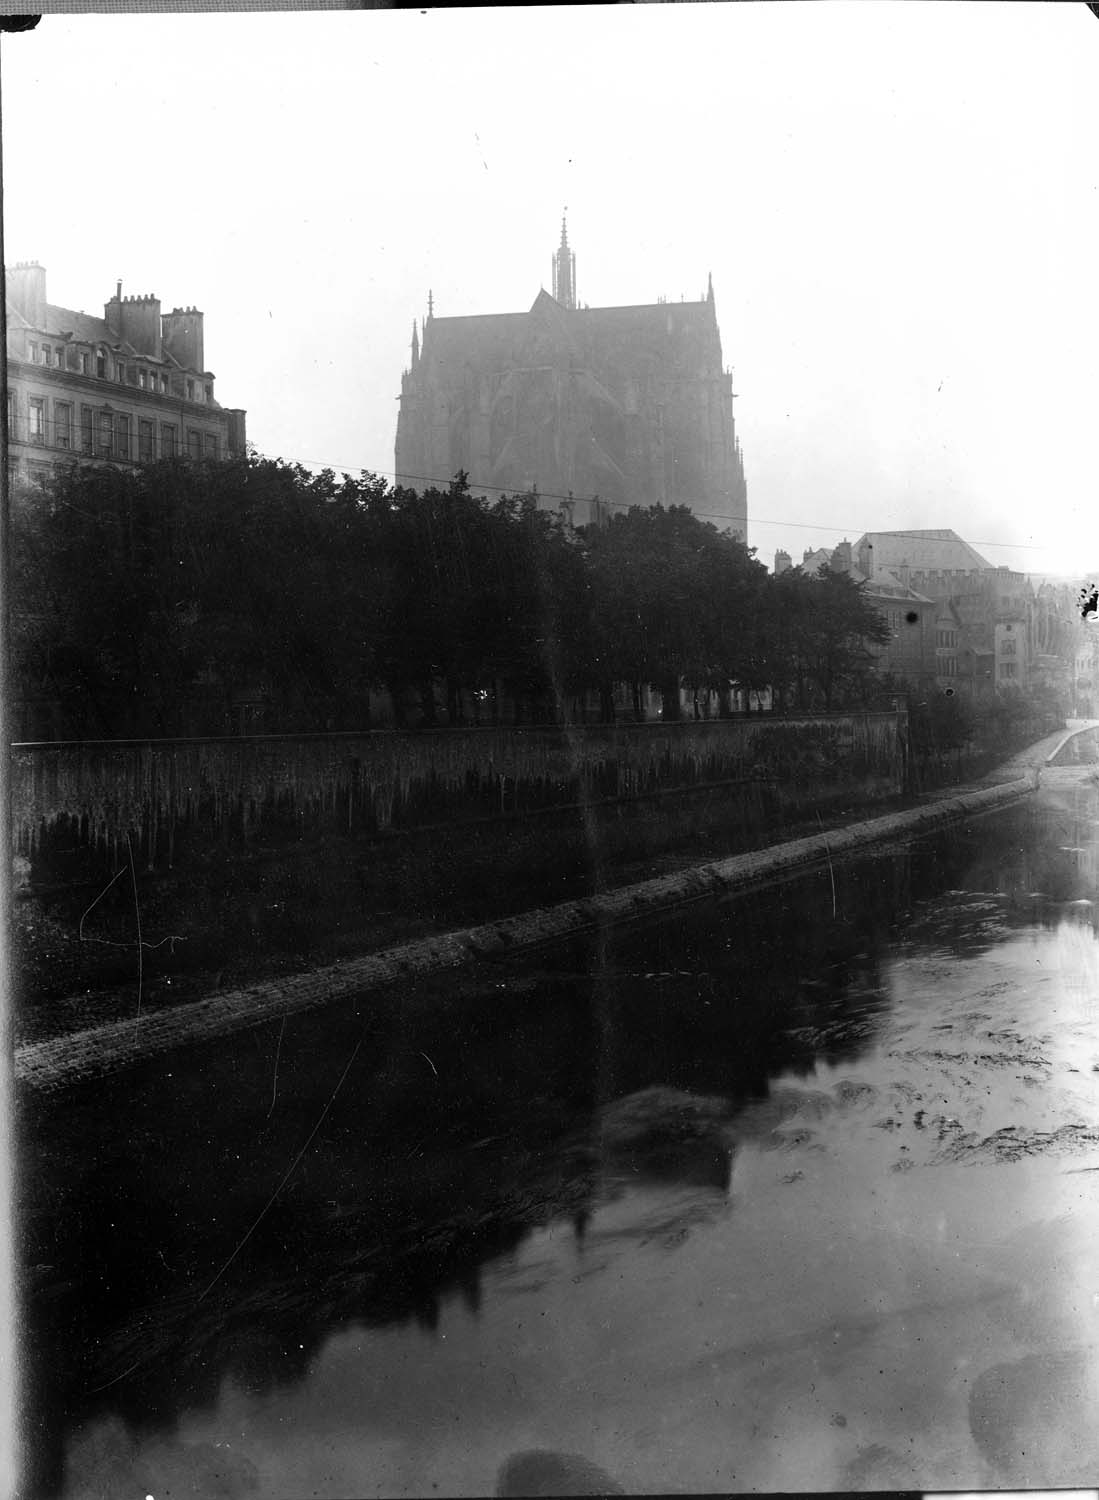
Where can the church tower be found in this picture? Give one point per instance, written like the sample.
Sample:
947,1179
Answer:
564,271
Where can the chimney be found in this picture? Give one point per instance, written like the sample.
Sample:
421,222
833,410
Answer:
112,312
841,557
26,287
182,337
140,324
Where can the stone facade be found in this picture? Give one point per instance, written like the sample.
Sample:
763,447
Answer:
594,408
123,389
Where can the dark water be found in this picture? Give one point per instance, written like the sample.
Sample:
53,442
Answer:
795,1191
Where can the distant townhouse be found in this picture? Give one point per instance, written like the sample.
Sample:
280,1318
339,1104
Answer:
911,650
124,389
957,622
1085,673
984,633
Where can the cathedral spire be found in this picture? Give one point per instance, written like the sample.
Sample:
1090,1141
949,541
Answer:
430,306
415,345
710,287
564,270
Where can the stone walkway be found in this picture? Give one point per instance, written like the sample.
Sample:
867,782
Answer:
1039,754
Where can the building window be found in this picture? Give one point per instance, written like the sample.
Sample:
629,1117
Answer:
47,354
120,372
1008,648
210,444
62,424
100,363
104,434
32,350
194,443
141,378
123,434
1007,669
209,391
190,390
60,358
145,442
36,420
168,443
86,429
83,362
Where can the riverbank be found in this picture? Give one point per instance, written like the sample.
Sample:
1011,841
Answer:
56,1051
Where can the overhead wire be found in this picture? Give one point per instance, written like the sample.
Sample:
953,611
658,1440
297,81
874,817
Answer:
477,487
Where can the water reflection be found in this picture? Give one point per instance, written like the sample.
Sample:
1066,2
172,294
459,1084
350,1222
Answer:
620,1087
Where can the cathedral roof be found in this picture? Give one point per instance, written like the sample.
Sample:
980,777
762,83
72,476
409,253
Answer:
548,333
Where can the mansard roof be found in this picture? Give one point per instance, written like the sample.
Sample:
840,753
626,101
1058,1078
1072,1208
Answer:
933,551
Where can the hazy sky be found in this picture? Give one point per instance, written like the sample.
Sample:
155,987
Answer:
898,203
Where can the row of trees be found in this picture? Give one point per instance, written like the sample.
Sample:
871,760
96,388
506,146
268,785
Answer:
154,602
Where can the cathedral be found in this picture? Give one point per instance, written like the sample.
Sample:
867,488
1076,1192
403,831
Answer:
595,408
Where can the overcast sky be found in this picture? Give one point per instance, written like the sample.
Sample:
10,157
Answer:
898,203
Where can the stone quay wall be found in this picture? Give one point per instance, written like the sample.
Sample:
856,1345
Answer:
157,800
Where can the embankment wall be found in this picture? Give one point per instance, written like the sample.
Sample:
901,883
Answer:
163,799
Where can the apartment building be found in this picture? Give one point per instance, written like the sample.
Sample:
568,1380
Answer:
127,388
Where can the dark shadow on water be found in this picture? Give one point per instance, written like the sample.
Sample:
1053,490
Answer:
478,1107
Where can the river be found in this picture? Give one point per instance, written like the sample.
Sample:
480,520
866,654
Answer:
794,1191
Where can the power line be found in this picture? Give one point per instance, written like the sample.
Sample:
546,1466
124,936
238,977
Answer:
439,482
630,504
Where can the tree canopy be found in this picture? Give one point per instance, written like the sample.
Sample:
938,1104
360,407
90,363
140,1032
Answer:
182,597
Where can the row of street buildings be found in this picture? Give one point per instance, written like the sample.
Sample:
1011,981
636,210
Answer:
958,624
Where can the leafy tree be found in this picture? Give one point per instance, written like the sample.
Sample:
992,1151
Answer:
672,604
819,630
